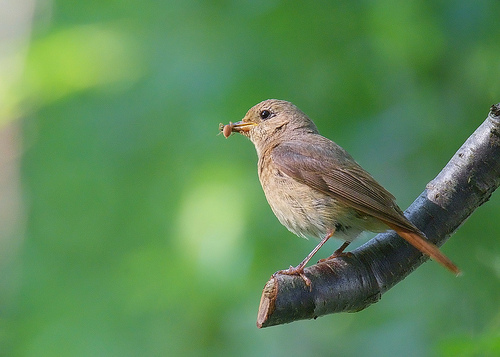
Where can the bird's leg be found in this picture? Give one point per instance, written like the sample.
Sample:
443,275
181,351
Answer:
339,252
299,269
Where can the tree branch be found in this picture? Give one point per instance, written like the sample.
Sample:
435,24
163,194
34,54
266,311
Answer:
357,280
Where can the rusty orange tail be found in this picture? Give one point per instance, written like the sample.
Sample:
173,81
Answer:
426,247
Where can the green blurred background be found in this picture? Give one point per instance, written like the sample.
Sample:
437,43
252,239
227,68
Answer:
129,227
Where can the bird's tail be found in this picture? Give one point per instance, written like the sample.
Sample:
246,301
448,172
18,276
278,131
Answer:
426,247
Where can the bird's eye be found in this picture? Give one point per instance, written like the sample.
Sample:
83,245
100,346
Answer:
265,114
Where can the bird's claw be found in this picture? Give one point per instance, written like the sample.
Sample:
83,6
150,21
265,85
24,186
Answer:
295,271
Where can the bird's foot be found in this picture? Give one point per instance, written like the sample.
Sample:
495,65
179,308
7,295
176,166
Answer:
298,270
338,253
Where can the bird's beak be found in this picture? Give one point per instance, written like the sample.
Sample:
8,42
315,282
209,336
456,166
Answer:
242,127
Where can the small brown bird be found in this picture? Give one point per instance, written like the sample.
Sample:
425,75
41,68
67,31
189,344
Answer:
315,188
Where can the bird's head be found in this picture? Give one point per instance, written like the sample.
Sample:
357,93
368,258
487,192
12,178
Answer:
272,121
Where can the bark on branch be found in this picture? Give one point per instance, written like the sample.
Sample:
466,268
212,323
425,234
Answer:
353,282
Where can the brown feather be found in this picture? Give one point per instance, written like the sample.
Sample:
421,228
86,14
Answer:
345,181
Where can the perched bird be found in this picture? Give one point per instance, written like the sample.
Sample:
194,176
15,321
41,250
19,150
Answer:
315,188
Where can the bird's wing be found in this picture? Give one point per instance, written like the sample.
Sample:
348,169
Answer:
331,170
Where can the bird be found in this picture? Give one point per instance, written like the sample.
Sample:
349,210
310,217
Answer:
316,189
